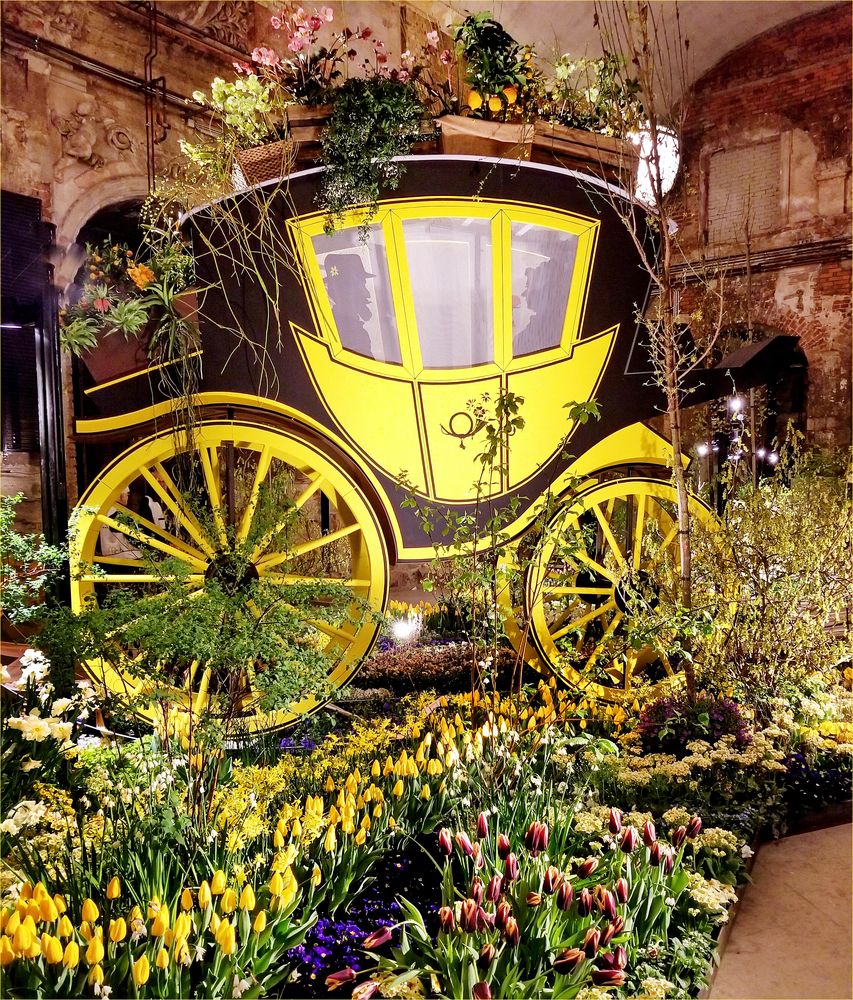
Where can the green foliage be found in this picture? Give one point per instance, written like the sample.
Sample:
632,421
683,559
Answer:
374,121
499,69
594,94
777,570
27,566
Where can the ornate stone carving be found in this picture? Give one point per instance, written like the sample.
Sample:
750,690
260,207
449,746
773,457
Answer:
86,129
227,21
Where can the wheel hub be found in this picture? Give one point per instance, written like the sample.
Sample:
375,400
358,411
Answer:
231,573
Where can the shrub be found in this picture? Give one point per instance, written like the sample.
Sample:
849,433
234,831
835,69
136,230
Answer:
669,724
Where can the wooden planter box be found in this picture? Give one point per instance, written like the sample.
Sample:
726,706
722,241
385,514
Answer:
115,356
305,126
462,136
574,149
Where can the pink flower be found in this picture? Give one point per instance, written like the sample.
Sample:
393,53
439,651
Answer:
326,13
275,22
296,43
445,57
265,57
407,59
242,67
432,39
403,75
101,305
315,22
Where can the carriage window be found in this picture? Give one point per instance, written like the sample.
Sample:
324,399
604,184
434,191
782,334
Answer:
450,266
355,276
542,264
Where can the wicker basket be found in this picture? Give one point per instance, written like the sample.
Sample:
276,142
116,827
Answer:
263,163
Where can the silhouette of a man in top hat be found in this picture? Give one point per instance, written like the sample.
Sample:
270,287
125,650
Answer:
346,285
541,291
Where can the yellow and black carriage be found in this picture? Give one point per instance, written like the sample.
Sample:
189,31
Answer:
348,361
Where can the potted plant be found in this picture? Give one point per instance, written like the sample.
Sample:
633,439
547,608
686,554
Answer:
149,301
502,84
590,109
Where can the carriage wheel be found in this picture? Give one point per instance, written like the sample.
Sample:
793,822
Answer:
209,491
611,549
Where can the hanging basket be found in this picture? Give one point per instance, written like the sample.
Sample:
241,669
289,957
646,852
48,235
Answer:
263,163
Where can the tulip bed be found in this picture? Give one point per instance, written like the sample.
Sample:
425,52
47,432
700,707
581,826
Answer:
470,846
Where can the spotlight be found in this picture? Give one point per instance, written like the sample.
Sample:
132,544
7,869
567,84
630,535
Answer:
760,453
772,458
406,629
702,450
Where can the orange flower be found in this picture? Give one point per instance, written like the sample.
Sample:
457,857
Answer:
140,275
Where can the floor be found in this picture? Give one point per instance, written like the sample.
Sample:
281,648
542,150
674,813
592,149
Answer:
792,934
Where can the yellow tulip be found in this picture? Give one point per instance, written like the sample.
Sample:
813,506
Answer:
375,769
425,793
276,884
277,839
141,970
182,928
204,896
316,876
135,914
228,903
397,790
12,924
186,900
160,923
330,784
118,930
96,975
71,955
95,951
34,951
33,909
86,931
474,100
260,922
114,888
331,841
296,830
218,883
90,911
7,952
247,898
23,939
64,928
226,938
52,950
215,921
48,910
361,836
26,891
162,960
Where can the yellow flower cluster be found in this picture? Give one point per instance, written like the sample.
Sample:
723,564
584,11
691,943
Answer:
711,897
38,927
140,275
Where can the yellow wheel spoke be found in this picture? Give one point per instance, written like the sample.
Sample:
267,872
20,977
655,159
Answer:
261,471
210,468
115,561
584,619
638,533
303,498
188,522
302,547
201,697
608,534
595,591
288,578
336,633
582,556
135,578
138,535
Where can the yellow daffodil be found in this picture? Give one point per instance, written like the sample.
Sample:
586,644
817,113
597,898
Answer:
141,970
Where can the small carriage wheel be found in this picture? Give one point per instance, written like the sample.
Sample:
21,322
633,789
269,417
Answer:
611,546
339,539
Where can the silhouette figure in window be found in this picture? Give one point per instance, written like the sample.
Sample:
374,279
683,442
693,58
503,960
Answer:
541,293
346,285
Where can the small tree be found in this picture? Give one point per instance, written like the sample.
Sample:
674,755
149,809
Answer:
654,63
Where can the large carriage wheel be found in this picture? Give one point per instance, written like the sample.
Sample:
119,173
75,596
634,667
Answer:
209,491
613,548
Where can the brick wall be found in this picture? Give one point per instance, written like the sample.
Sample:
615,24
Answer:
768,141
